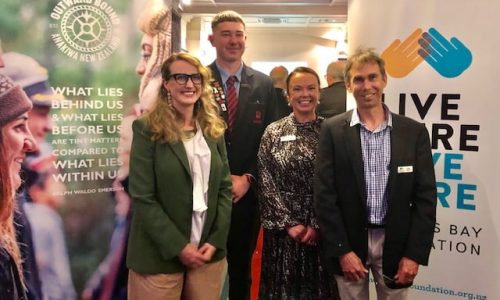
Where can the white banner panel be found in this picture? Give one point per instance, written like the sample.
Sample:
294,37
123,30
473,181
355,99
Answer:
454,90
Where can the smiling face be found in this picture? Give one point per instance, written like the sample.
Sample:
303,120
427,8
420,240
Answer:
17,140
366,83
229,40
303,95
184,95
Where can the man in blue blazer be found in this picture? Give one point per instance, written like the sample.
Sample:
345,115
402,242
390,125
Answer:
256,102
375,190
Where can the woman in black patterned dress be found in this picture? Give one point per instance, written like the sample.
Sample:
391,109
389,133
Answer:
291,267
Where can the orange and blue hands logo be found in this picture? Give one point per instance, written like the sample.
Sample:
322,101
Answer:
449,58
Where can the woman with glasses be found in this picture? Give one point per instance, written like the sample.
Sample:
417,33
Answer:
181,190
15,141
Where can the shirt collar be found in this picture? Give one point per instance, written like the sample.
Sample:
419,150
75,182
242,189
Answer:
355,120
225,75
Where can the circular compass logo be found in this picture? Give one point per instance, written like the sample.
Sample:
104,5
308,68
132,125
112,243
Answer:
85,32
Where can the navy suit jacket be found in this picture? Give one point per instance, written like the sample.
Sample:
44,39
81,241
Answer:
256,109
340,194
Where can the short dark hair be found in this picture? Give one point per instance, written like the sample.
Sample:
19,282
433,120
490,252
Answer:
301,70
227,16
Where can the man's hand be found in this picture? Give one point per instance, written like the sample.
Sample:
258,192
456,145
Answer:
191,257
407,271
207,251
240,187
352,267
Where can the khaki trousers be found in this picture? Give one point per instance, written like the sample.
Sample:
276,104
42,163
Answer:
203,283
359,290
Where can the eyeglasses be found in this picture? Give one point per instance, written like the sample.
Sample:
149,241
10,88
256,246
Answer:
180,78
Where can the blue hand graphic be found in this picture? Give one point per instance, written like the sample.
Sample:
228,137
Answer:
448,58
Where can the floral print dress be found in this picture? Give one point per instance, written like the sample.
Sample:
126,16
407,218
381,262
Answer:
290,270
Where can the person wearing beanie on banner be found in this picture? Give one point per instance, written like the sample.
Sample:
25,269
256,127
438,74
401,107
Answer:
34,79
15,141
180,185
375,189
26,72
247,101
53,269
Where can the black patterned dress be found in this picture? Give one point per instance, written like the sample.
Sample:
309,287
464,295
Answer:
290,270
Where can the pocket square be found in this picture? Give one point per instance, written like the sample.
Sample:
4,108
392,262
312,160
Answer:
405,169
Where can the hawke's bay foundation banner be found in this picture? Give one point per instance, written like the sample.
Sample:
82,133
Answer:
77,60
440,57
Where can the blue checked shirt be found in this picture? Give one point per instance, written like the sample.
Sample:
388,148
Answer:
376,152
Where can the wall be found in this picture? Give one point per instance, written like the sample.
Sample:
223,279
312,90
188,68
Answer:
271,44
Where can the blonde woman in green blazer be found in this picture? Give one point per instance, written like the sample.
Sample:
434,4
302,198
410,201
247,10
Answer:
181,190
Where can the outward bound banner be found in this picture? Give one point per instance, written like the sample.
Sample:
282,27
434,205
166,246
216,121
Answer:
439,60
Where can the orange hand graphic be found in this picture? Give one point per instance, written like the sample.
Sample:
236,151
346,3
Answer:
402,57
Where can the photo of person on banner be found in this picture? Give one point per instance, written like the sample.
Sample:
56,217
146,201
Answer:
16,141
110,279
44,226
375,189
155,22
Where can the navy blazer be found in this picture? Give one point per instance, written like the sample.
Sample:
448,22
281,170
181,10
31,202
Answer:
340,194
256,109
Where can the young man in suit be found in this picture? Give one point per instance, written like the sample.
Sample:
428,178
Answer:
375,189
332,100
247,104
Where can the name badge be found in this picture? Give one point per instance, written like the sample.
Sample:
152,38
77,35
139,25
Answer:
288,138
405,169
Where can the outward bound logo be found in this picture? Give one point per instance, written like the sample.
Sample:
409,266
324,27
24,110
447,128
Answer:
85,29
449,58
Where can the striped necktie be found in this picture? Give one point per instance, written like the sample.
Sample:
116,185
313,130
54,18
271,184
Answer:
232,100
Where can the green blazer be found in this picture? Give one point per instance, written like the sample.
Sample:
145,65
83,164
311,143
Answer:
162,193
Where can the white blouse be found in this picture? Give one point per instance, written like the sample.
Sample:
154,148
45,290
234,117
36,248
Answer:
199,155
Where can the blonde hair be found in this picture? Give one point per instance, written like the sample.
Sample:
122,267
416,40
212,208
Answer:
155,20
7,207
164,122
154,17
